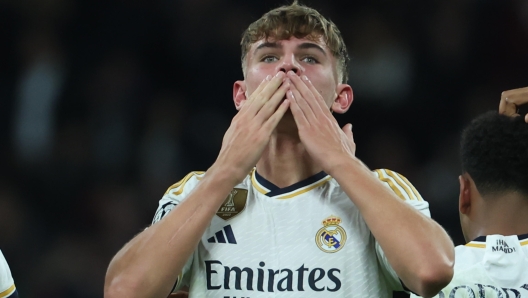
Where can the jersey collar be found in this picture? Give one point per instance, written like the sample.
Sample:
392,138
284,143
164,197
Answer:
271,190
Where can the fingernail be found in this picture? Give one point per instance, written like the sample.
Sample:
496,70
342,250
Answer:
268,78
279,74
290,93
305,78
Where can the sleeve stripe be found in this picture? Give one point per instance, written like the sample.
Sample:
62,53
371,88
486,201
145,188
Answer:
182,183
391,184
8,292
401,183
416,193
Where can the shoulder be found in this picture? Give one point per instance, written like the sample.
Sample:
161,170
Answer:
403,188
176,193
399,184
179,191
189,181
7,285
468,255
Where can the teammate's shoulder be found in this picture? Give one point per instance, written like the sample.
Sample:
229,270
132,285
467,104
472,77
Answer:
399,184
7,284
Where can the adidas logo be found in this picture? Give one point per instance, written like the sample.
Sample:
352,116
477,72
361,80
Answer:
220,238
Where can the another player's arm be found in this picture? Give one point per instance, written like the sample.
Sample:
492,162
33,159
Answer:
148,265
511,100
418,249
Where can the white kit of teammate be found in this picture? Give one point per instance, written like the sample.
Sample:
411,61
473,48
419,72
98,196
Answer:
306,240
7,284
490,266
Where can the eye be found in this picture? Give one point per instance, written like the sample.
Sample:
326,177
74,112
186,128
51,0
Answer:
309,59
268,59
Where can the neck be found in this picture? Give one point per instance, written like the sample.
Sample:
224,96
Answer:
285,161
504,215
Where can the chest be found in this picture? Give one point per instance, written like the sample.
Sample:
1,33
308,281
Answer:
316,230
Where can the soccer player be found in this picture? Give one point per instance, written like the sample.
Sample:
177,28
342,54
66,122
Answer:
493,204
287,209
7,285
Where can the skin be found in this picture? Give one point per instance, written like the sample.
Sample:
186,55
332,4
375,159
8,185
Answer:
481,216
285,160
286,128
511,100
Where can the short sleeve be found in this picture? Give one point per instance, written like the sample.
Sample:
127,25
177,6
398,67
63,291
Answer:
7,284
174,195
403,188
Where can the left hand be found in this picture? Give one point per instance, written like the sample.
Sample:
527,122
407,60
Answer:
319,131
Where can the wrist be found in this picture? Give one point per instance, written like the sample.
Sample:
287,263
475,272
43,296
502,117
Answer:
347,165
227,175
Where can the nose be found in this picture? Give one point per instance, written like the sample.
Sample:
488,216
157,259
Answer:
290,63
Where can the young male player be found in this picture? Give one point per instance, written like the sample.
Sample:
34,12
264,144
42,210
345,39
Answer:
287,209
493,204
7,285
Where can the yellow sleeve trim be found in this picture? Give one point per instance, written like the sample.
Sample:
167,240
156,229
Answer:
401,183
478,245
182,182
391,184
523,243
8,292
416,193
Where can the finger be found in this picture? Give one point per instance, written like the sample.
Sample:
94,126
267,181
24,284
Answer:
297,112
511,100
318,98
272,121
250,98
309,92
303,104
347,129
271,105
258,99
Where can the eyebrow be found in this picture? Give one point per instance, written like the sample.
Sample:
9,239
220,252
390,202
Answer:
302,46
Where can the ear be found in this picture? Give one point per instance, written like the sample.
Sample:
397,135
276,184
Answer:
239,94
343,99
464,199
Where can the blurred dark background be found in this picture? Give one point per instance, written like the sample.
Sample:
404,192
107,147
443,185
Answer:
104,104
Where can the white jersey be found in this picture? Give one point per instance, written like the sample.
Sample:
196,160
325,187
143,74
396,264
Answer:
7,285
305,240
492,266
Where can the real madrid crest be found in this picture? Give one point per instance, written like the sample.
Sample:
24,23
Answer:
233,204
331,237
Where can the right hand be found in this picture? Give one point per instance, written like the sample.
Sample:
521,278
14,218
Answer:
251,128
511,100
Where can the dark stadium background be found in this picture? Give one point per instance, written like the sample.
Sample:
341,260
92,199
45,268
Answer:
104,104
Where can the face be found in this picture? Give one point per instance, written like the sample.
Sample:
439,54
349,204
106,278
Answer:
303,56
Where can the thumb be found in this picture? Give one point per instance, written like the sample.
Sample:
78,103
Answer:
347,129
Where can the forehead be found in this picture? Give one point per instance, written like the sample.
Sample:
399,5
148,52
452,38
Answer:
293,42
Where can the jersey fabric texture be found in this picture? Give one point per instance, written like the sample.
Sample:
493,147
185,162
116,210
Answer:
305,240
7,285
490,266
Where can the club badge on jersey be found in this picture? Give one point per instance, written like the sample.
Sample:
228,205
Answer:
331,237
